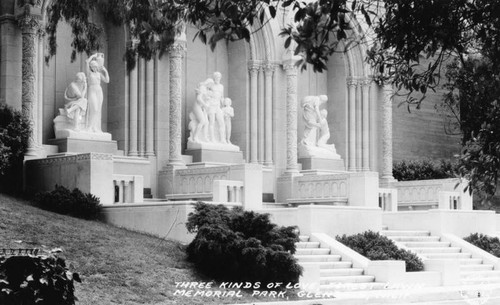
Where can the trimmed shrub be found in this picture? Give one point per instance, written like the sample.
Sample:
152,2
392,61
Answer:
41,280
14,134
485,242
378,247
73,203
237,245
423,170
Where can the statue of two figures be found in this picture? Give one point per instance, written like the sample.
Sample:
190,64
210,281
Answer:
82,111
210,118
316,130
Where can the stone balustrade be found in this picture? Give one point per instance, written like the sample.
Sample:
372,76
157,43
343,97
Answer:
388,199
332,189
432,194
128,188
228,191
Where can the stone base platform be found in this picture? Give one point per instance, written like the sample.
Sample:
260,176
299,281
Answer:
79,145
218,156
322,164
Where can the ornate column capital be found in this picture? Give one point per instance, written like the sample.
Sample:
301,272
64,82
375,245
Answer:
352,82
177,49
366,82
254,66
269,67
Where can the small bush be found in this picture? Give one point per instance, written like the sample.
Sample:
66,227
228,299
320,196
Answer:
41,280
377,247
237,245
14,134
66,202
485,242
423,170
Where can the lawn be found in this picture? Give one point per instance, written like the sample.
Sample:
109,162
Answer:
117,266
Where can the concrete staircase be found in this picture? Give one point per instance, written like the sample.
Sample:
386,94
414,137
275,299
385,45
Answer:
336,274
428,247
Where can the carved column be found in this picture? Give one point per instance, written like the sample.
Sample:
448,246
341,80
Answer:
365,165
133,121
253,68
291,118
30,26
387,134
141,108
150,67
268,73
176,53
352,84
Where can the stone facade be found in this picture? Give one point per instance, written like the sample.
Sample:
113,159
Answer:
146,110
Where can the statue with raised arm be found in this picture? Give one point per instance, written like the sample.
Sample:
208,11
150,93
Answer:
215,115
95,74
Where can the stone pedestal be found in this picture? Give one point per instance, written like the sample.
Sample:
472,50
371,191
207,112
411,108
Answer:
322,164
82,145
214,152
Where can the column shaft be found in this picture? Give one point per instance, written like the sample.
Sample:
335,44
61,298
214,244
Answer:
253,113
150,108
175,119
261,118
291,118
359,126
132,87
387,133
141,109
352,125
29,27
365,165
268,158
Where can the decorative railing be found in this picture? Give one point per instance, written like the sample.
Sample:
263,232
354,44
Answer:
432,194
330,188
228,191
200,180
128,188
388,199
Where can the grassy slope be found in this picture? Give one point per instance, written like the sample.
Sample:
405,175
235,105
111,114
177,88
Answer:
117,266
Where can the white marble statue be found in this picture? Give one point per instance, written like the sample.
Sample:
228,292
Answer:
316,130
228,112
208,120
96,73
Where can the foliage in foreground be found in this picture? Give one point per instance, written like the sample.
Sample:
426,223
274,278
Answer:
41,280
237,245
408,170
14,135
74,203
377,247
485,242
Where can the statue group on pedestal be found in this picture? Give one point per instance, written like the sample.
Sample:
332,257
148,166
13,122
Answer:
316,130
83,109
210,118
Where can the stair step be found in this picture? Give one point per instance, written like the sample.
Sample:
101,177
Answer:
312,251
347,279
479,274
340,272
427,250
307,244
448,255
405,233
482,280
415,238
427,244
304,238
348,287
335,265
318,258
470,261
482,267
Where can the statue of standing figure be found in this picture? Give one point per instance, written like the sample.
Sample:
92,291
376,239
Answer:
316,130
210,124
82,113
96,73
